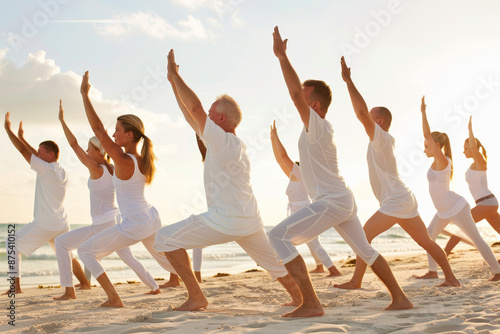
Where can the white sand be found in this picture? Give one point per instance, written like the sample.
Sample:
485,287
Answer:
250,303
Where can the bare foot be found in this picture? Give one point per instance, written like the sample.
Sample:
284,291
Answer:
495,278
428,275
303,311
192,305
319,269
333,271
170,284
153,292
108,303
66,296
454,282
348,286
292,303
10,291
400,305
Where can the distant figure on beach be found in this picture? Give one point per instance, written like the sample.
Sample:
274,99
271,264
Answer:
49,218
486,203
297,198
233,214
132,172
104,214
333,202
450,206
397,203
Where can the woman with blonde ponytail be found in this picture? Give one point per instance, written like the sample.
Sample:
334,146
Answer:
450,206
486,203
133,171
104,214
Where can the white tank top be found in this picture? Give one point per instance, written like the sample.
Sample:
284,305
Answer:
296,191
102,198
478,184
446,202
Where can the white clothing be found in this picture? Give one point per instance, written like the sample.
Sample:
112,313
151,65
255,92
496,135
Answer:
194,232
108,241
232,207
478,184
446,202
297,199
463,219
197,258
51,185
318,160
315,218
102,198
28,239
395,198
139,218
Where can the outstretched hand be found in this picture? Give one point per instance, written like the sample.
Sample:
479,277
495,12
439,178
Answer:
279,45
172,67
346,71
85,87
423,106
470,123
7,121
274,132
20,131
61,111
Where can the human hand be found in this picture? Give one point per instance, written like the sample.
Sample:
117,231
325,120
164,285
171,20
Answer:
279,45
61,111
172,67
423,106
85,87
346,71
20,131
7,121
470,123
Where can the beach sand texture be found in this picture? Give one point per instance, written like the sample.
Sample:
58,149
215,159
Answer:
250,303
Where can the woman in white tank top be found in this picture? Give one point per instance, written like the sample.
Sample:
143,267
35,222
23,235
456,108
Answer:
486,203
133,171
104,214
450,206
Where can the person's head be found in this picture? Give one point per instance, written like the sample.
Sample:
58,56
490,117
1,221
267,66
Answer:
48,151
129,128
95,150
226,113
382,116
443,141
480,147
318,95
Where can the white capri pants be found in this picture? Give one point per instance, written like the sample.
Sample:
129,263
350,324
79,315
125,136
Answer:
465,222
197,258
193,232
67,242
315,218
106,242
27,240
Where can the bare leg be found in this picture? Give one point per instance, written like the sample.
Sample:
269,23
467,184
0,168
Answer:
174,281
80,275
454,240
289,283
399,300
333,271
17,287
114,299
198,276
310,307
319,269
416,229
179,259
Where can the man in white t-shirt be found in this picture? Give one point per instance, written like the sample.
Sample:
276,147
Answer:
397,203
333,203
49,218
233,214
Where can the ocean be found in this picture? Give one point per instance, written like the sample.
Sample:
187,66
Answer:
40,268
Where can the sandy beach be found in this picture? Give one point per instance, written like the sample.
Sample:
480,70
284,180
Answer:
250,303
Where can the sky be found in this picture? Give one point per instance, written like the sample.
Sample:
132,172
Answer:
398,51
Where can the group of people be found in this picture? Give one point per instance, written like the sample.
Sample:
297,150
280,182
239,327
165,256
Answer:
318,197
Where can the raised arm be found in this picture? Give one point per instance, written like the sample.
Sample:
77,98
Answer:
112,149
291,78
434,147
358,103
280,153
201,147
18,144
94,168
182,106
476,155
191,102
20,135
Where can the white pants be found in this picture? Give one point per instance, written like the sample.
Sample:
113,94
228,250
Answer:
27,240
193,232
69,241
315,218
465,222
319,253
106,242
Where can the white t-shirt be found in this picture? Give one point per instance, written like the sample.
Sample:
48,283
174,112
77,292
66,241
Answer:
383,170
296,191
318,160
51,185
232,207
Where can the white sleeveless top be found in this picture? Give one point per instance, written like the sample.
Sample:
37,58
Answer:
446,202
139,218
296,191
102,198
478,184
